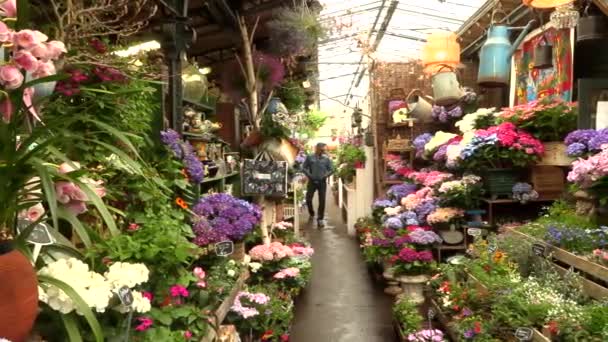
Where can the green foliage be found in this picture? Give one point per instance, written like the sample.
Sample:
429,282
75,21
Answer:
348,155
312,121
292,95
407,315
549,120
295,30
271,128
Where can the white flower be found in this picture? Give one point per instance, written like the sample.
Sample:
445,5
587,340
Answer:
125,274
140,304
246,259
437,140
4,340
467,123
255,266
231,273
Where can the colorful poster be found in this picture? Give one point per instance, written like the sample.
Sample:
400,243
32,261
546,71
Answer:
532,84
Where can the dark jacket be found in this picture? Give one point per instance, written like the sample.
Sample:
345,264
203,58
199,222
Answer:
317,168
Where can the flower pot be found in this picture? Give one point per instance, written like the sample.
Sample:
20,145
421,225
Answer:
555,154
19,293
499,182
413,287
254,139
451,235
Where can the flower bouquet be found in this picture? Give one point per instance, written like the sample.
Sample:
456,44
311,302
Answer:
547,119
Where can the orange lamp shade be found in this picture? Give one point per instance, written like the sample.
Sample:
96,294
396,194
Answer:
441,48
546,3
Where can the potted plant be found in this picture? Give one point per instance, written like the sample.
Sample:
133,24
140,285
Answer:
350,157
407,317
549,120
411,268
464,193
294,31
498,151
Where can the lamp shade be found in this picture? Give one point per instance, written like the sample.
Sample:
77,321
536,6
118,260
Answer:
546,3
441,48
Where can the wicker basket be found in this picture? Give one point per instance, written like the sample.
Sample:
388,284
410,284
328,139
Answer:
555,154
548,180
398,143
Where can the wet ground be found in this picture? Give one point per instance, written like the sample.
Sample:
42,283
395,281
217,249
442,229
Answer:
341,303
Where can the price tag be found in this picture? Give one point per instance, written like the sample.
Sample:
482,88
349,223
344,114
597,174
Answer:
524,334
539,249
475,232
125,296
224,248
492,248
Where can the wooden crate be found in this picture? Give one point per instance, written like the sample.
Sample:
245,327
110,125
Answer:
548,180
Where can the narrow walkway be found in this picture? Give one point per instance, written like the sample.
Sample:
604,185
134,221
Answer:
341,304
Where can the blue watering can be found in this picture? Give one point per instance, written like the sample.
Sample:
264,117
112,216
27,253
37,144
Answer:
495,55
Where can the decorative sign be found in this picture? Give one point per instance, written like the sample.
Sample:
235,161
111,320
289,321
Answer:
40,234
224,248
539,249
125,296
524,334
475,232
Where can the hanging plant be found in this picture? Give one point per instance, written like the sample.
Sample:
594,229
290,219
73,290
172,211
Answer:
270,73
294,31
292,95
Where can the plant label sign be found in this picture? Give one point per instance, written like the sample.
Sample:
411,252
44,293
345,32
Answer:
125,296
539,249
524,334
431,313
492,248
224,248
40,234
475,232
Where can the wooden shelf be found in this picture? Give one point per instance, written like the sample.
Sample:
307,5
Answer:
407,149
402,124
198,105
218,178
392,182
508,200
451,247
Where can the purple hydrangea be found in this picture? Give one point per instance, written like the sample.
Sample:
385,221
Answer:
410,218
384,203
184,151
223,217
393,223
381,242
420,141
424,237
440,155
389,233
576,149
444,115
173,140
601,138
580,136
424,209
397,192
401,241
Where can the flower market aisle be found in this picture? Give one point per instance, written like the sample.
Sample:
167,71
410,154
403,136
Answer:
341,302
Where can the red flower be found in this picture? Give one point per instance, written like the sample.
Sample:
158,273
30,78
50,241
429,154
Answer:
477,327
267,335
394,259
456,308
553,327
284,338
487,268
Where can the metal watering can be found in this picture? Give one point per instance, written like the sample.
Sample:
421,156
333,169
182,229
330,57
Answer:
420,106
496,52
446,89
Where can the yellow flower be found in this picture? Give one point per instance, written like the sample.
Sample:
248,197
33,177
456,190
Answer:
437,140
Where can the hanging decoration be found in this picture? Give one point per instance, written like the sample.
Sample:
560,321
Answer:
565,16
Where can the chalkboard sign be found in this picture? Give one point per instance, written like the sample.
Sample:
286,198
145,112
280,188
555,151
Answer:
125,296
40,233
224,248
524,334
539,249
474,232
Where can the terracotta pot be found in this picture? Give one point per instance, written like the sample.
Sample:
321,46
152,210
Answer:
19,293
254,139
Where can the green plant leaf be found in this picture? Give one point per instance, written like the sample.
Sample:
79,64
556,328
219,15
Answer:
71,327
79,302
76,225
49,190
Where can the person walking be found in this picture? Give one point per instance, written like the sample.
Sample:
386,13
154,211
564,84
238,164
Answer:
317,167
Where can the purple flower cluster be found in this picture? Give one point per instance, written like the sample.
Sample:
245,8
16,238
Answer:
424,209
301,157
584,141
410,218
389,233
444,115
420,141
411,255
441,153
384,203
401,241
381,242
397,192
223,217
393,223
184,151
424,237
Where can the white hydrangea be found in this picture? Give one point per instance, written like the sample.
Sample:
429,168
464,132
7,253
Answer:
255,266
231,273
95,289
140,304
467,123
125,274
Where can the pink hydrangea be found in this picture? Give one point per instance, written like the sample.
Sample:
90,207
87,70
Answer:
430,178
304,251
290,272
585,172
270,252
442,215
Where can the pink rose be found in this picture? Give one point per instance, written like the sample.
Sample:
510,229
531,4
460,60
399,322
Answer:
68,167
8,8
29,38
44,69
6,34
26,60
55,48
133,227
10,77
76,207
199,272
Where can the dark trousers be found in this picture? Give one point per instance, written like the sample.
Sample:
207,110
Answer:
321,187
